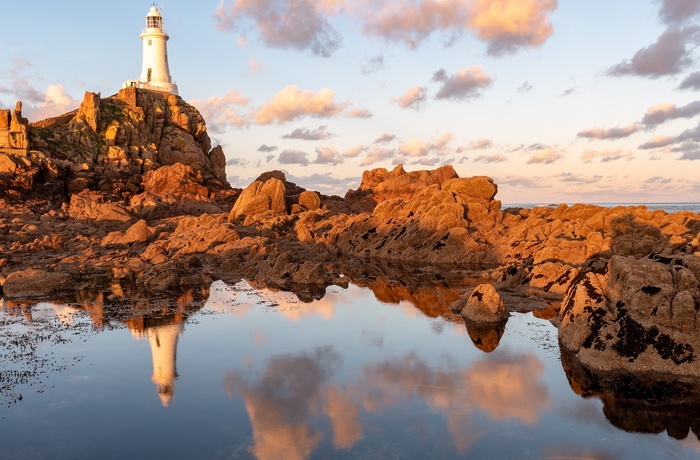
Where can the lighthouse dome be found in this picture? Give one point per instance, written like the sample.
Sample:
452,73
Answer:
153,12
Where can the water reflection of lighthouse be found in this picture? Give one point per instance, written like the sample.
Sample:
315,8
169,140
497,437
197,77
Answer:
163,341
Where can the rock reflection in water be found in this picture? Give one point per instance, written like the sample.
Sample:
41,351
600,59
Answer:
639,403
485,336
293,389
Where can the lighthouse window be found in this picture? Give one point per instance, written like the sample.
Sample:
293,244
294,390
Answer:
150,42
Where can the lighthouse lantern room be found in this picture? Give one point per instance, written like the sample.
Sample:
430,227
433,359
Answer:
155,73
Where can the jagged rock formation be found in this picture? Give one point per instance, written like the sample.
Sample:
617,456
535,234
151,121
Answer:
107,145
129,187
13,132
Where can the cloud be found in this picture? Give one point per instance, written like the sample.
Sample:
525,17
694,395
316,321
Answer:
481,144
293,157
414,148
526,182
292,103
415,98
38,104
354,152
568,92
18,66
607,134
668,56
493,158
25,92
373,65
221,111
692,135
267,148
692,81
525,87
419,148
688,146
384,138
327,156
54,102
571,178
411,22
269,158
504,25
253,68
304,134
507,25
691,156
676,11
359,113
607,156
465,84
661,113
545,156
236,162
285,24
658,180
376,155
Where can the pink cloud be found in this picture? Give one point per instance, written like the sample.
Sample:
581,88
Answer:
414,98
669,55
231,109
292,103
507,25
465,84
296,24
609,133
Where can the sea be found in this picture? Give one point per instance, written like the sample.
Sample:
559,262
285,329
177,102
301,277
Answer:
668,207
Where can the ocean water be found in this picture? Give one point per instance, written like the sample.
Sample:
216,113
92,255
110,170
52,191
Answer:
668,207
255,373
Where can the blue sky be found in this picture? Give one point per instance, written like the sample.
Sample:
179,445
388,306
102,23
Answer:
558,101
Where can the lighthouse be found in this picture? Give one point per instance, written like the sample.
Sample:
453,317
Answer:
155,72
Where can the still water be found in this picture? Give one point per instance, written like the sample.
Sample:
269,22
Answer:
242,372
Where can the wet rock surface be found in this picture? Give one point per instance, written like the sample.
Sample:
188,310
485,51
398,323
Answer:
129,187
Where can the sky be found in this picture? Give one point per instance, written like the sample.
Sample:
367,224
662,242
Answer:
592,101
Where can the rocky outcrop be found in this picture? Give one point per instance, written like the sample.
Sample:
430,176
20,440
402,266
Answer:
34,282
379,185
106,146
129,185
14,137
635,314
260,197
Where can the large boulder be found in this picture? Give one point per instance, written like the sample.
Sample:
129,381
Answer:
33,283
484,305
177,179
260,197
634,315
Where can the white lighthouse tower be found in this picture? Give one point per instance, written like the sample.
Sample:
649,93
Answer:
155,73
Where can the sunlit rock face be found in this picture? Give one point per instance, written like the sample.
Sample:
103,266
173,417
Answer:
483,305
107,144
637,315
